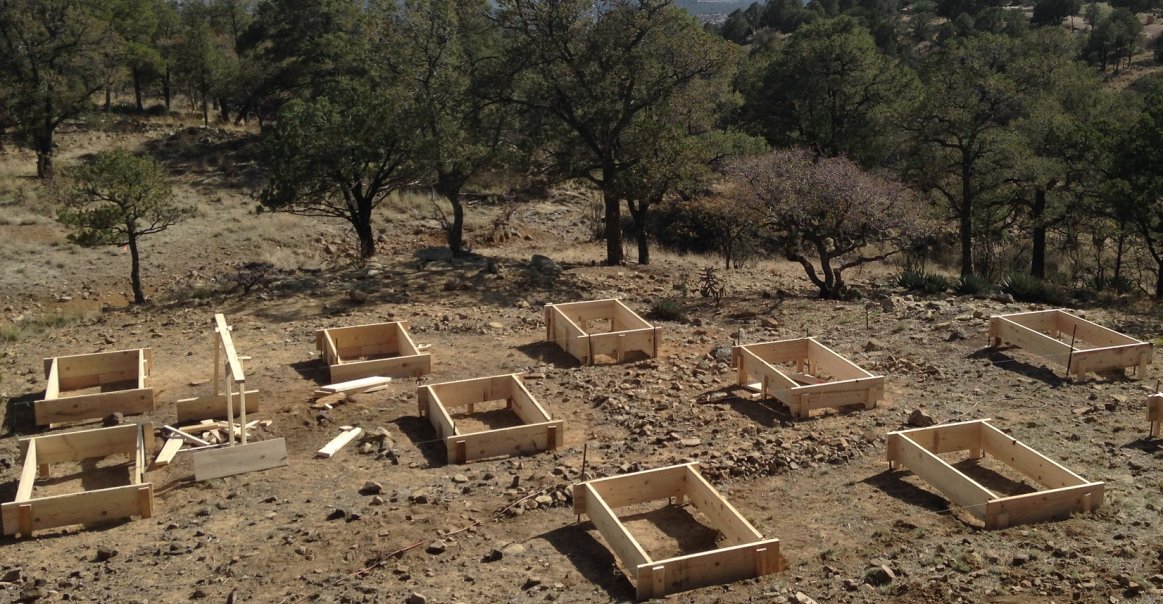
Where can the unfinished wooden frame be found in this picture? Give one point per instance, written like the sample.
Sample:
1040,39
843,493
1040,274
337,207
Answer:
27,514
1155,413
1089,347
758,370
540,431
745,554
121,376
230,388
567,325
1065,492
378,349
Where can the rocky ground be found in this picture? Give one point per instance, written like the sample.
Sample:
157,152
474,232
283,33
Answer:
387,520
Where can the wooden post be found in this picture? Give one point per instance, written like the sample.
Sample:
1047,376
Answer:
24,519
621,349
551,437
461,452
229,408
241,410
217,359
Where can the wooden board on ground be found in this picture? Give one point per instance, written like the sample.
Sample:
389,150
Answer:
28,513
1072,342
1065,492
567,325
338,443
240,459
168,451
378,349
746,556
214,406
760,368
121,376
539,431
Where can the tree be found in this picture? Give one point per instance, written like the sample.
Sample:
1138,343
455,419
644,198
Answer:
52,58
829,89
341,154
1113,38
1052,12
1138,6
592,71
116,199
1140,163
829,215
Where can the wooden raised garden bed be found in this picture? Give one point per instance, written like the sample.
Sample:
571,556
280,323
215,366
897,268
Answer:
1065,492
821,378
539,431
28,513
574,327
378,349
1073,342
120,376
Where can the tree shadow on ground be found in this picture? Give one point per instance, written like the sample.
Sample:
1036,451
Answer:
677,523
1004,361
314,370
424,437
892,483
550,353
1147,444
769,413
592,559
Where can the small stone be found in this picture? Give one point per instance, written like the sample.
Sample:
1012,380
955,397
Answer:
371,487
492,556
416,598
530,582
802,598
459,478
1020,559
104,554
769,322
889,304
357,295
418,497
436,547
691,442
873,345
955,335
513,549
337,514
543,500
879,575
113,419
12,575
921,419
496,325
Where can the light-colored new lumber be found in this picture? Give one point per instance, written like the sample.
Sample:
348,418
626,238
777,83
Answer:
947,438
759,368
716,567
168,451
337,443
1093,348
1029,462
723,516
214,406
514,440
86,444
94,406
27,474
345,350
239,459
126,368
1155,413
625,547
79,508
961,489
566,325
364,384
640,487
1040,506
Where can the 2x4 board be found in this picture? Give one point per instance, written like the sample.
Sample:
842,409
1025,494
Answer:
569,326
759,369
28,513
383,349
745,553
1155,412
540,431
1073,342
121,376
1065,492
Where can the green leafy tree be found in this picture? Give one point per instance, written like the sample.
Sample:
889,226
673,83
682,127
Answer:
1138,6
1140,164
1113,38
116,199
52,58
341,154
595,71
1052,12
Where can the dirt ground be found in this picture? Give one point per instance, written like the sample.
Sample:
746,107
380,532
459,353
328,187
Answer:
306,533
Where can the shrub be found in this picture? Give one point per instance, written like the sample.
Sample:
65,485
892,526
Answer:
667,309
972,285
1121,284
1027,288
922,282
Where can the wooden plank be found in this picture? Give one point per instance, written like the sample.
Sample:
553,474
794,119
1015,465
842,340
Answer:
337,443
581,313
525,406
228,347
1044,321
27,473
437,414
640,487
86,444
757,368
946,438
1029,462
828,360
214,406
406,345
1029,340
52,387
75,508
715,567
477,390
1055,504
635,340
628,319
396,367
626,549
1100,360
723,516
515,440
89,370
93,406
1092,333
780,351
239,459
168,451
961,489
359,385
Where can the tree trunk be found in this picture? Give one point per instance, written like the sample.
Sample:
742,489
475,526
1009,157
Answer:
638,213
108,99
135,269
205,109
1038,252
449,186
224,109
166,88
362,221
965,229
613,228
1159,281
44,154
137,90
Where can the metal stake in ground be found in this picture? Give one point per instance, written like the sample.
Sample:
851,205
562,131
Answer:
1070,358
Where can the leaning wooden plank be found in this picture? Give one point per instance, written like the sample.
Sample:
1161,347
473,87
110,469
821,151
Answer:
338,443
1022,458
723,516
683,573
515,440
239,459
27,474
76,508
214,406
639,487
625,547
359,385
962,490
86,444
168,451
1055,504
93,406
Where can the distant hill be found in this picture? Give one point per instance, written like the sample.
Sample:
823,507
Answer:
710,9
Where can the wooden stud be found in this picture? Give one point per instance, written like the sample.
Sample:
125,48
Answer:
566,323
803,392
337,443
1106,350
348,352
